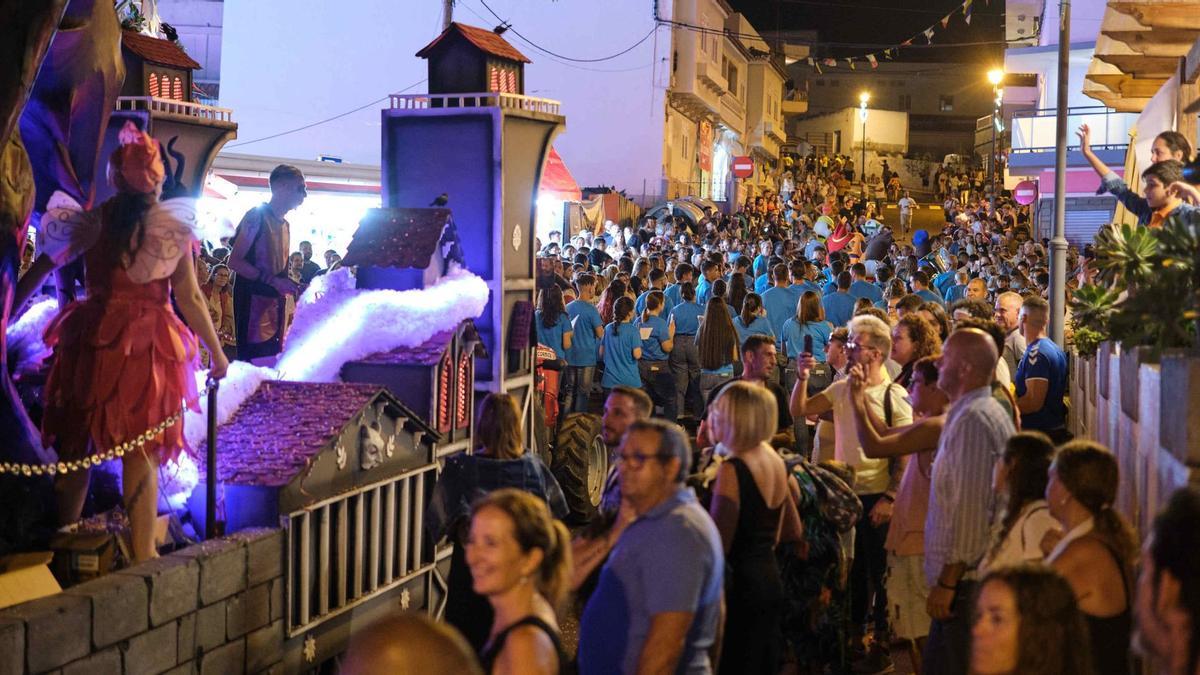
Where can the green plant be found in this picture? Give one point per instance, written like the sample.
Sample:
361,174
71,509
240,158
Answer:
1086,341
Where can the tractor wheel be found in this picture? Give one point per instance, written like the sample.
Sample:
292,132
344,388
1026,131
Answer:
580,464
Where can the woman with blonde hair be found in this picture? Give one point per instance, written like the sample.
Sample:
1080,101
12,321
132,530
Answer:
1098,551
520,559
499,461
754,508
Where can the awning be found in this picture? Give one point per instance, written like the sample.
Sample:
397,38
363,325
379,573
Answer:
557,180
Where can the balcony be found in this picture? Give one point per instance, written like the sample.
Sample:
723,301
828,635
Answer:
766,137
795,104
1033,137
709,75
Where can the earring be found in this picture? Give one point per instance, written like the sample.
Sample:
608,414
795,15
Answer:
524,579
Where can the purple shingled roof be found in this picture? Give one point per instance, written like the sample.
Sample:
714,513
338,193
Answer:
282,427
427,353
400,237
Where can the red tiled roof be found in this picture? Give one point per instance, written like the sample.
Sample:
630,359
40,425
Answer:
399,237
486,40
157,50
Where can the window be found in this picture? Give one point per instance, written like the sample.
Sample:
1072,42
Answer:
946,103
731,78
905,102
152,85
177,88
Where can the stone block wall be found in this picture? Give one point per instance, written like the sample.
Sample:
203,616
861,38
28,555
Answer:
214,608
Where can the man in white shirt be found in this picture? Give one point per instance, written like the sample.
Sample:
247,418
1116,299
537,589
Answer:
876,480
907,204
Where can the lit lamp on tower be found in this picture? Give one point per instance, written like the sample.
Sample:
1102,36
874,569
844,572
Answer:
862,115
996,77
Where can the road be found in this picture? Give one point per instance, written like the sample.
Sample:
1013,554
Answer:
928,217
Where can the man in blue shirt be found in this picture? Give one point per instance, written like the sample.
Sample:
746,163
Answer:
1041,378
763,259
657,605
658,279
959,290
835,270
588,328
779,301
710,271
839,306
800,279
860,287
920,287
944,281
683,274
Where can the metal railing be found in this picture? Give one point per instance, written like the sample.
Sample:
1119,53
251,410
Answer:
349,549
173,107
1034,130
475,100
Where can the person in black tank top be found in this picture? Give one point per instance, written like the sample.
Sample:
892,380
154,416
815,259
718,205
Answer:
520,560
743,419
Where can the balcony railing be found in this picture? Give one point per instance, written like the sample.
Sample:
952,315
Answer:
173,107
1034,131
475,100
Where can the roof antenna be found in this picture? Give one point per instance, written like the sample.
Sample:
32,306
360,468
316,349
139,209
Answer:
499,30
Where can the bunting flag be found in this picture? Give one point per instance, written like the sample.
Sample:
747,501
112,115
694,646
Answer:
887,53
832,63
906,42
967,17
818,67
967,11
871,60
850,62
811,62
946,20
929,35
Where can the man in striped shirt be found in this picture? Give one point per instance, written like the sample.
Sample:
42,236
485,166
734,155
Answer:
960,496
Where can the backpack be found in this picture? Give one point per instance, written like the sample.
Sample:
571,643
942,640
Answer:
839,505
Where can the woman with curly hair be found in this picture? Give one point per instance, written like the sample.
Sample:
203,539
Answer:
1027,622
913,338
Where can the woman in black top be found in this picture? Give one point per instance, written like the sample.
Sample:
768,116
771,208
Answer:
520,558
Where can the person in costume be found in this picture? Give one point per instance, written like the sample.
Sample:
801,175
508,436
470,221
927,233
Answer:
123,361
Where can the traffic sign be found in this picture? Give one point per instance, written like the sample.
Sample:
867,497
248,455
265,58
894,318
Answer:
743,167
1025,193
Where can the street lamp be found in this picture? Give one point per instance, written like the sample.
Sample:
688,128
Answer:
995,76
862,115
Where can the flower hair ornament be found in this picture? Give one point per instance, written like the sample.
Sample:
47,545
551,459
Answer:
136,166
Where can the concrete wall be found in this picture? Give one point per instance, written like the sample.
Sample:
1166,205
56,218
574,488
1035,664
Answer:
1127,406
211,608
887,131
922,83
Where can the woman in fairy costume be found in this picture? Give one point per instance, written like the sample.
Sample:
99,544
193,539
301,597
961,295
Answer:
124,362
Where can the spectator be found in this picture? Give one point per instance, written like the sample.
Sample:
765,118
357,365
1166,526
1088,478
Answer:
218,291
1041,379
520,559
758,359
685,356
1027,621
876,480
1168,588
500,461
839,305
752,320
960,502
411,643
1019,482
621,349
717,347
640,619
1008,315
753,506
553,323
913,338
657,338
309,269
1097,553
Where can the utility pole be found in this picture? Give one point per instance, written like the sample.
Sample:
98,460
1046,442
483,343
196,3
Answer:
1058,242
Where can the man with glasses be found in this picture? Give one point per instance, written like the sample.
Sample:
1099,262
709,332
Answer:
657,606
876,480
260,258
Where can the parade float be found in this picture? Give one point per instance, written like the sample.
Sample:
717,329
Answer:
324,462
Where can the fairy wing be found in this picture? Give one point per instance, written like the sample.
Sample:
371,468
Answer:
169,231
66,230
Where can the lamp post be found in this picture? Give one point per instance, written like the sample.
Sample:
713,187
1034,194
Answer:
995,76
862,115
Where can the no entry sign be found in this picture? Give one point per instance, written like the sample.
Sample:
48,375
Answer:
1025,193
743,167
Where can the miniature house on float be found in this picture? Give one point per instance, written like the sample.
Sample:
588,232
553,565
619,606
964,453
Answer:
157,98
476,138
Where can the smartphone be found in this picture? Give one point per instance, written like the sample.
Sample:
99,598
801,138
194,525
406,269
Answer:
808,344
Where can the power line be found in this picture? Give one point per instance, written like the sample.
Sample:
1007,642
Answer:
329,119
846,7
852,45
542,49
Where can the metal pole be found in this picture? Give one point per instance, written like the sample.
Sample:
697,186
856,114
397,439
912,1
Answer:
992,161
1058,243
211,531
862,168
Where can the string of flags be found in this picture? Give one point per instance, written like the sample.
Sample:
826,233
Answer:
890,53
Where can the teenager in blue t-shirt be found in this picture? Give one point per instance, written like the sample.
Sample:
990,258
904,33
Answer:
685,360
621,348
588,328
752,320
809,320
657,341
553,324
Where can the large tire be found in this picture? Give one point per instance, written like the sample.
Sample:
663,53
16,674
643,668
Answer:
580,464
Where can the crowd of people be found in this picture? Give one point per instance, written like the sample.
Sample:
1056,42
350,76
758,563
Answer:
827,446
